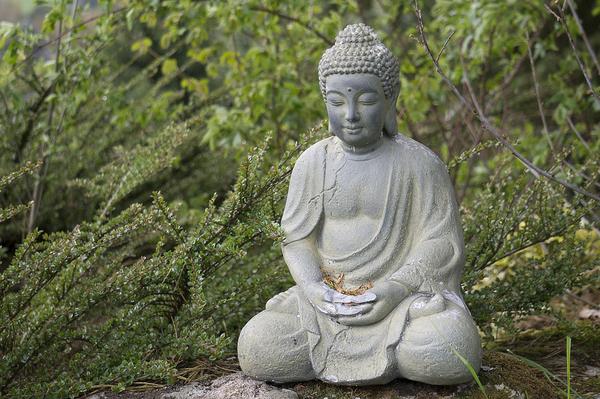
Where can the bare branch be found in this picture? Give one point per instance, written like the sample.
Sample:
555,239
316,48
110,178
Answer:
575,52
551,11
43,171
306,25
526,245
495,94
536,85
578,298
437,59
589,179
476,109
579,136
435,63
35,109
38,185
535,170
68,32
584,36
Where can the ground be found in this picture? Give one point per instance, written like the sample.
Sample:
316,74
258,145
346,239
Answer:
529,364
504,376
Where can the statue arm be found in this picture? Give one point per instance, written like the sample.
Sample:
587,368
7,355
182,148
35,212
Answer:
303,261
429,265
300,221
301,216
437,257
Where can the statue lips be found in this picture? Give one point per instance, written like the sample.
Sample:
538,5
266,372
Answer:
352,129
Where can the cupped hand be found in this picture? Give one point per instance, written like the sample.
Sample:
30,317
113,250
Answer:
332,303
389,294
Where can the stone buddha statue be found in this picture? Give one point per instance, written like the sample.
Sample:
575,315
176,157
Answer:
373,241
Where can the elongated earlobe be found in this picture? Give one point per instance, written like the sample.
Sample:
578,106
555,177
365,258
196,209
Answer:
390,125
330,129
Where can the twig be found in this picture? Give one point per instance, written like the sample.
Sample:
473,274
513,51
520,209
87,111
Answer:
526,245
579,136
435,63
67,32
37,188
437,59
584,36
536,85
293,19
536,171
114,194
580,173
39,182
551,11
513,73
576,53
34,108
476,109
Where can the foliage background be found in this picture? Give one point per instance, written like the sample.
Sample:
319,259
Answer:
146,145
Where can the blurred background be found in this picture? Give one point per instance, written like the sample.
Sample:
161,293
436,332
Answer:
145,149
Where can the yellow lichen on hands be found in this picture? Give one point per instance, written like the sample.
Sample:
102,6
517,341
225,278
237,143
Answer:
337,283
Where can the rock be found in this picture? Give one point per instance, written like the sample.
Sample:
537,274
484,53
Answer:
535,322
588,313
397,389
231,386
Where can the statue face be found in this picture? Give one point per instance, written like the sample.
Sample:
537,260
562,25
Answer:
356,106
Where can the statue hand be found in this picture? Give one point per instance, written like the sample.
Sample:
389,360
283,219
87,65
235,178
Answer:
389,295
330,302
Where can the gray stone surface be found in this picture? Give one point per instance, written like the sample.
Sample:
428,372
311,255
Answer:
376,211
233,386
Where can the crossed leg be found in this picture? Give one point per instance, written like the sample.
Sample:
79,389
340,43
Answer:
273,347
430,345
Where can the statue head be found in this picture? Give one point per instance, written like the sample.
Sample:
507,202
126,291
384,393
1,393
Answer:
359,80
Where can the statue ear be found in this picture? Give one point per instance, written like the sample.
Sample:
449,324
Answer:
390,125
329,128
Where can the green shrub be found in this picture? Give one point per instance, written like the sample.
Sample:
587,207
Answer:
137,234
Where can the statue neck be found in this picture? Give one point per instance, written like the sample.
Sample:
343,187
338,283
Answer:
363,150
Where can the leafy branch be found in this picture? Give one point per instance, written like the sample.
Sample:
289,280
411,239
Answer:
476,109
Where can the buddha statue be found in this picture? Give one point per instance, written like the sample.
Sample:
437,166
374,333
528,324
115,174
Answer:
373,241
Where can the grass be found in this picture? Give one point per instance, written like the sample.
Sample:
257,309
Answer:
506,375
469,366
539,366
553,377
568,367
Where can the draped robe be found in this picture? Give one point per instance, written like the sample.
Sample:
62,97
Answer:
419,244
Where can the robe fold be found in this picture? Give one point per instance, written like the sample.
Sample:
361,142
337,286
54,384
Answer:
419,244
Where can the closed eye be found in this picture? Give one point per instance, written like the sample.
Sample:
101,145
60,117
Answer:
368,98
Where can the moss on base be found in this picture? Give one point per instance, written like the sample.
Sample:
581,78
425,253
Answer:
504,376
509,377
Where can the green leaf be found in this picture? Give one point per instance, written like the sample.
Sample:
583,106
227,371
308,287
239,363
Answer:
169,66
51,19
141,46
129,17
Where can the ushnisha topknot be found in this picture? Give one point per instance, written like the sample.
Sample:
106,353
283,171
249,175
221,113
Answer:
357,49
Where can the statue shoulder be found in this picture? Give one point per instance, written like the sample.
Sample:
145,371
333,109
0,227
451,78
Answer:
313,155
421,155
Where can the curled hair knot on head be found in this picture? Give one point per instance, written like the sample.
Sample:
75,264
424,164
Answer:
357,49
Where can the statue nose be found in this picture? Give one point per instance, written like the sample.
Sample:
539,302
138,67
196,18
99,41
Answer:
352,114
